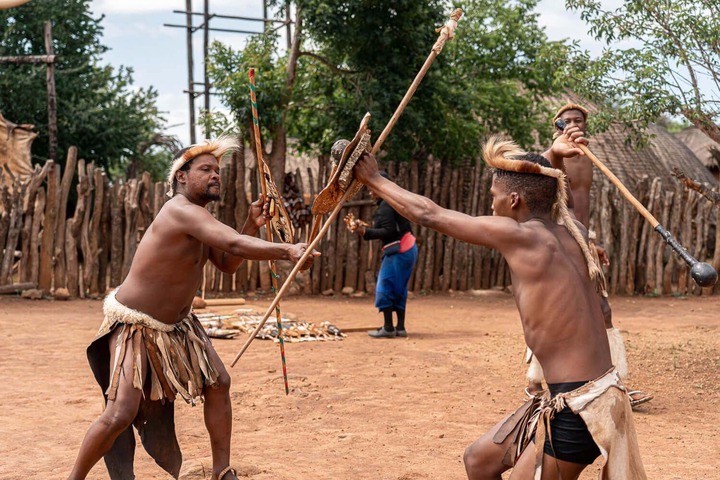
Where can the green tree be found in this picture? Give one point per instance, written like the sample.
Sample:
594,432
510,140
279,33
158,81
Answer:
670,63
98,108
362,55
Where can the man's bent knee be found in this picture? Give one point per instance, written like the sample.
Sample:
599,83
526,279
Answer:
223,382
480,462
117,420
473,460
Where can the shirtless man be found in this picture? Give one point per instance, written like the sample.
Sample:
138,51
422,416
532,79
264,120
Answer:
579,170
150,347
556,299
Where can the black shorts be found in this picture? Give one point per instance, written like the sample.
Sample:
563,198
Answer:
571,440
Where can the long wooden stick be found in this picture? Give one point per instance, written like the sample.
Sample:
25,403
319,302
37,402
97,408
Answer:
268,228
616,181
447,32
703,273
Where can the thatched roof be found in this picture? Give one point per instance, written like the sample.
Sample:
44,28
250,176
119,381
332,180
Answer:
702,146
663,152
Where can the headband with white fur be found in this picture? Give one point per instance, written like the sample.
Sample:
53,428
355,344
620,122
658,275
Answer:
502,155
217,148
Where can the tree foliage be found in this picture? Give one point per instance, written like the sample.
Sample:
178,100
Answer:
362,55
662,57
98,108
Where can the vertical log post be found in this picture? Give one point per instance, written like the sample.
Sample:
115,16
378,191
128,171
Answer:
116,233
47,244
15,213
85,269
59,251
52,98
92,264
38,219
74,225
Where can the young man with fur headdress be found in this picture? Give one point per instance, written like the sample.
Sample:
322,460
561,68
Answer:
150,347
579,171
555,281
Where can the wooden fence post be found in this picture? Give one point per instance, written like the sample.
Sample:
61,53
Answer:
47,244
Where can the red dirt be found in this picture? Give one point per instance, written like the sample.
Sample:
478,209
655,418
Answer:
402,409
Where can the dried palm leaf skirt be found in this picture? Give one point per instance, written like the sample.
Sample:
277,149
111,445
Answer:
178,359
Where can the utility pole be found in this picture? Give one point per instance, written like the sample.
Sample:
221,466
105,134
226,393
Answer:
190,29
206,44
191,67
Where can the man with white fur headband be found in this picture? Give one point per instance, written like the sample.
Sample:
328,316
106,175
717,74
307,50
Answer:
555,284
150,347
579,170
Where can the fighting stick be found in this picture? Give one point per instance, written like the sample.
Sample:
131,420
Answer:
703,273
447,32
268,230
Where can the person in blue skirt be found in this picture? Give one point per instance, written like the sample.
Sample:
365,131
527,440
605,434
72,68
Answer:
399,255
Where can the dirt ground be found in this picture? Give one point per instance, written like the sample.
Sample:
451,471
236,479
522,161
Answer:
363,408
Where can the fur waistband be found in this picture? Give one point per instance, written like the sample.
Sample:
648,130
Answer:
117,312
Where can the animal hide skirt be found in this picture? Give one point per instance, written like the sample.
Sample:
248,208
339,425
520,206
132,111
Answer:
178,365
178,361
604,407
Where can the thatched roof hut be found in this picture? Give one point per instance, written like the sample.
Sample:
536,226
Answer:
703,147
663,152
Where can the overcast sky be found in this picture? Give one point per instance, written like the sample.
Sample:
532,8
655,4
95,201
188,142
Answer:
135,34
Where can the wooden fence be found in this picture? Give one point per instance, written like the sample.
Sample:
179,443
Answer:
92,250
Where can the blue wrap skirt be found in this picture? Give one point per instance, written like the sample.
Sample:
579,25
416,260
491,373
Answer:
391,290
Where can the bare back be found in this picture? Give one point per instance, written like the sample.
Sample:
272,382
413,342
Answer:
167,268
562,320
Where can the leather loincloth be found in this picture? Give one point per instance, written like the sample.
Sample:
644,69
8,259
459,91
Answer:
604,407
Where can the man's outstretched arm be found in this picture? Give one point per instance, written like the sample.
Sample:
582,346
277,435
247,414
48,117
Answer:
488,231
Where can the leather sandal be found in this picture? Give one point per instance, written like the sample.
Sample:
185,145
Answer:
225,471
638,397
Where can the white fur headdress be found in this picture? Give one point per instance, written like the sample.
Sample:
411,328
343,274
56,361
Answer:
502,155
217,148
